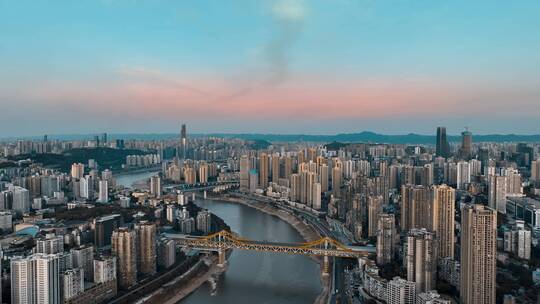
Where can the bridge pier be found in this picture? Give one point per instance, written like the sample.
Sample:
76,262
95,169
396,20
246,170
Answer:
221,258
326,266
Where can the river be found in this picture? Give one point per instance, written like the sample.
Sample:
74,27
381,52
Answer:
254,277
130,179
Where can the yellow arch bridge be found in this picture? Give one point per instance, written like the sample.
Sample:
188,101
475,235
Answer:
225,240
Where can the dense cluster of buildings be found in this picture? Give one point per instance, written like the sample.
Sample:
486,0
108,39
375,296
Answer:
460,215
77,237
445,214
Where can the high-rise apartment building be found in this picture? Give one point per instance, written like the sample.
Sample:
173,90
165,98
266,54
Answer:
401,291
204,221
166,253
77,170
263,170
147,250
535,170
295,187
104,227
415,207
275,167
104,269
20,199
375,207
323,177
478,254
155,186
50,244
336,179
518,241
443,222
244,173
497,193
124,247
203,172
22,277
386,238
288,167
316,196
463,175
35,279
103,191
72,281
83,257
421,259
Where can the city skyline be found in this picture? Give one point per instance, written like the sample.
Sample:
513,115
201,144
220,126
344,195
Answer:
278,151
276,66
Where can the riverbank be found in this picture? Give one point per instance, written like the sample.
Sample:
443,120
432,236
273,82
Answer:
307,232
205,270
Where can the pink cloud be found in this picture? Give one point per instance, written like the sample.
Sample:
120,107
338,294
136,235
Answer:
153,94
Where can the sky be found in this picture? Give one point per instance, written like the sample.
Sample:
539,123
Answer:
272,66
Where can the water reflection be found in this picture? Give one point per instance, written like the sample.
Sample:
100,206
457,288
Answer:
255,277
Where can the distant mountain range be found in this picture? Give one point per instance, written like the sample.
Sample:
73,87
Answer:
366,136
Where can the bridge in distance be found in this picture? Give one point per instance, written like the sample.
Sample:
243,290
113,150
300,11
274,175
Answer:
225,240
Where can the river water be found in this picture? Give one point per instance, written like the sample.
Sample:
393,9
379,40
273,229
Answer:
130,179
254,277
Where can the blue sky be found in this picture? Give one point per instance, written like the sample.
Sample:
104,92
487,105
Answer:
284,66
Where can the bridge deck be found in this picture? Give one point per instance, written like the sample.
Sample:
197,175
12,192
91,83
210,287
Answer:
225,240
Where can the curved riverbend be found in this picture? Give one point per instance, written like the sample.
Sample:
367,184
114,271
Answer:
129,180
254,277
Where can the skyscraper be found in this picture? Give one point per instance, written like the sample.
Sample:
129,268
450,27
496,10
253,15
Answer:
478,254
146,252
442,148
421,259
466,144
386,238
183,142
125,249
443,210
